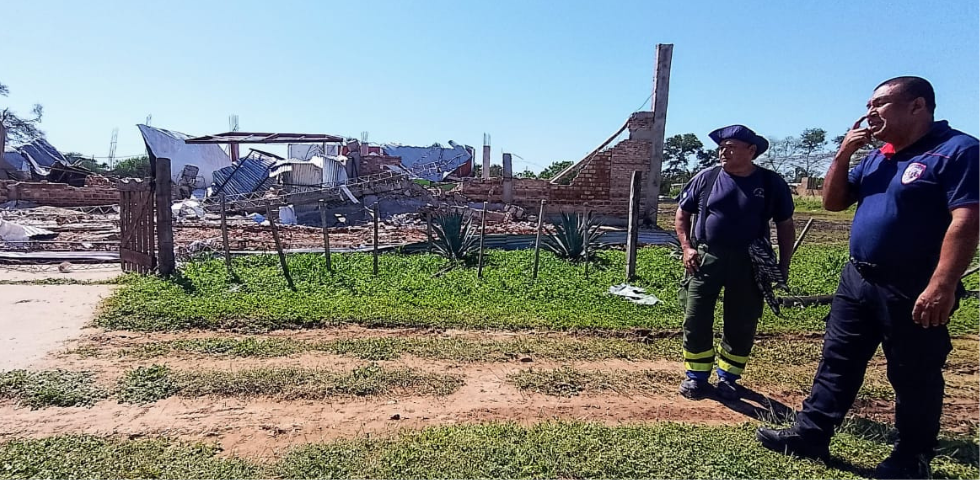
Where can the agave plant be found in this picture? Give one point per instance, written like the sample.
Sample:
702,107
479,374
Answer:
575,236
455,237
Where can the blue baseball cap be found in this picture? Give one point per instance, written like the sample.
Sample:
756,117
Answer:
743,133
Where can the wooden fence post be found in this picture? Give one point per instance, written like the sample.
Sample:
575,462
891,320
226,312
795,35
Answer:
279,250
224,233
632,234
483,234
326,236
165,222
537,241
376,211
428,230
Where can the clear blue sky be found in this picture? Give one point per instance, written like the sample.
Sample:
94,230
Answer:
549,80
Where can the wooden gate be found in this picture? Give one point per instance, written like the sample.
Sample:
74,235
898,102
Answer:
136,245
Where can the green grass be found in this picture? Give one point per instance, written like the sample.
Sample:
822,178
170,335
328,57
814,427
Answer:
494,450
53,388
148,384
389,348
406,294
813,207
585,450
83,456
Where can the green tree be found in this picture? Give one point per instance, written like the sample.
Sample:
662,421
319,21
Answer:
685,155
20,129
527,173
812,155
86,162
133,167
554,169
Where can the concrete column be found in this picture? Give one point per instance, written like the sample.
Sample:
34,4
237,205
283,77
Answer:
486,162
508,175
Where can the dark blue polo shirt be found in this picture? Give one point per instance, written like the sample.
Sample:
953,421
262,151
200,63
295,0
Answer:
736,208
904,201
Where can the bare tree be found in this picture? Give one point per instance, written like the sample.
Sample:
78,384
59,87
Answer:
779,156
811,155
18,128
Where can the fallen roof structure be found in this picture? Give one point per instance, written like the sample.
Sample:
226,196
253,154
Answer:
254,137
161,143
433,163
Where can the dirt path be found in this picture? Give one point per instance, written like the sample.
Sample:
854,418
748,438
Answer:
36,320
264,426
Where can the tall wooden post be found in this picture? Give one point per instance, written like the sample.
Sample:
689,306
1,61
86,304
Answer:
279,250
661,87
537,241
165,221
428,231
326,236
376,215
483,234
632,234
224,233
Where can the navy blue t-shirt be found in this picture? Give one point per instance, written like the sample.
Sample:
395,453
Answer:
736,208
904,201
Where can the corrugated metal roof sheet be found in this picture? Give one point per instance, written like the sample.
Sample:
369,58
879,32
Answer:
445,159
297,173
248,175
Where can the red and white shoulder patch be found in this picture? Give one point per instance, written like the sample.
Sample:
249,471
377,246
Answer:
913,172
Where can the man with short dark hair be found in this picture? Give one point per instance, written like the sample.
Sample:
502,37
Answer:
730,248
914,233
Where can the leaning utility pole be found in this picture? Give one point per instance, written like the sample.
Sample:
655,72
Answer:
661,86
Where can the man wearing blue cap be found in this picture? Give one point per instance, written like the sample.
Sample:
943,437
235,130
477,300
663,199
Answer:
730,247
915,231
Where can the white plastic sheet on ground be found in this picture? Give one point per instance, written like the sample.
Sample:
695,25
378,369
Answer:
12,232
636,295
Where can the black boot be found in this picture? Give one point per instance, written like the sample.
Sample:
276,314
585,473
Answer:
694,389
901,466
789,442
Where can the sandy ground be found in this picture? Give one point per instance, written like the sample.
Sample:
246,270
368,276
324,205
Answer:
93,273
37,319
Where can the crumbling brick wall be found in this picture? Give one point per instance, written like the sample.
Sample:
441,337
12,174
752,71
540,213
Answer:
372,164
602,185
58,194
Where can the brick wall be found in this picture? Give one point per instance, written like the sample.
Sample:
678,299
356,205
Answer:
58,194
602,185
372,164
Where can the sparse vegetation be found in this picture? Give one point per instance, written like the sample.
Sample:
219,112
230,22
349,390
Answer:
149,384
146,385
51,388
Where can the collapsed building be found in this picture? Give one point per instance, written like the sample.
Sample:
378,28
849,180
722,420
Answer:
600,182
327,180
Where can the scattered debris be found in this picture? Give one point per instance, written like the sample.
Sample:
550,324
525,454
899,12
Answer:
15,233
636,295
